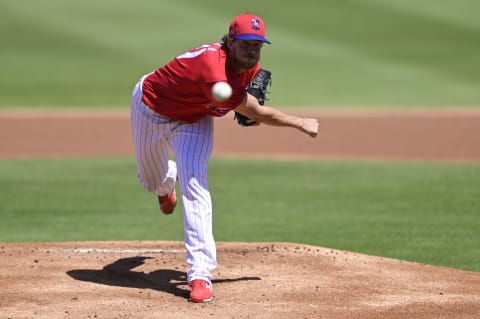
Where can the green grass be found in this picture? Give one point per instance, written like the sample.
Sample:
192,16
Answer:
384,53
427,213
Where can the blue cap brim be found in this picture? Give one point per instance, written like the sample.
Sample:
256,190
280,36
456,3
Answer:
254,37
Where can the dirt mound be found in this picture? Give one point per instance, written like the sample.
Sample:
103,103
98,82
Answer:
253,280
402,135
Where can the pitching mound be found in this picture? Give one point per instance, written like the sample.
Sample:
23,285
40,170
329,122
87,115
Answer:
254,280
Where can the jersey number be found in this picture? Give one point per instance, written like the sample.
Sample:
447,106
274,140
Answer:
196,52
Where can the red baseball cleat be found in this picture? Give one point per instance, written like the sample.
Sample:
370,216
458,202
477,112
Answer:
201,291
168,202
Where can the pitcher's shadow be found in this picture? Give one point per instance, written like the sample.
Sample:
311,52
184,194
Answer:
119,273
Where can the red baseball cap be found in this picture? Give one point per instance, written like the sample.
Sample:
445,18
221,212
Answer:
248,27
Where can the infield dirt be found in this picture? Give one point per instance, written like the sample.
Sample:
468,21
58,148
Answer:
253,280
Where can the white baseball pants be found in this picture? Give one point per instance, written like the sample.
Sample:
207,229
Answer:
153,137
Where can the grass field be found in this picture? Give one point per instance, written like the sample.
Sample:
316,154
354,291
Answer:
383,53
421,212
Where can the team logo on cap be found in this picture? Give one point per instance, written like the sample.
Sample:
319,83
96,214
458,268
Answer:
255,24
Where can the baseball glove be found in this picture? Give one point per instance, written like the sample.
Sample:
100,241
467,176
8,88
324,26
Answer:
258,88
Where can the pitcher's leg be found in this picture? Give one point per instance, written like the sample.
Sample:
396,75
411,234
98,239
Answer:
192,144
150,134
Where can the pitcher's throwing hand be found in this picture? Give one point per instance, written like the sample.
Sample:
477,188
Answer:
310,126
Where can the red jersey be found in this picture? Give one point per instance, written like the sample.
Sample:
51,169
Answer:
182,89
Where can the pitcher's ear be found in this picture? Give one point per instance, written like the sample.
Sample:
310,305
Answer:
230,40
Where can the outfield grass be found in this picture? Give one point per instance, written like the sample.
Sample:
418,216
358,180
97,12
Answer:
421,212
381,53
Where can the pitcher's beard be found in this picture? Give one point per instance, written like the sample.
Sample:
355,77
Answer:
246,63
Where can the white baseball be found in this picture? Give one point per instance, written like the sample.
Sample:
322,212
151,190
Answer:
221,91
